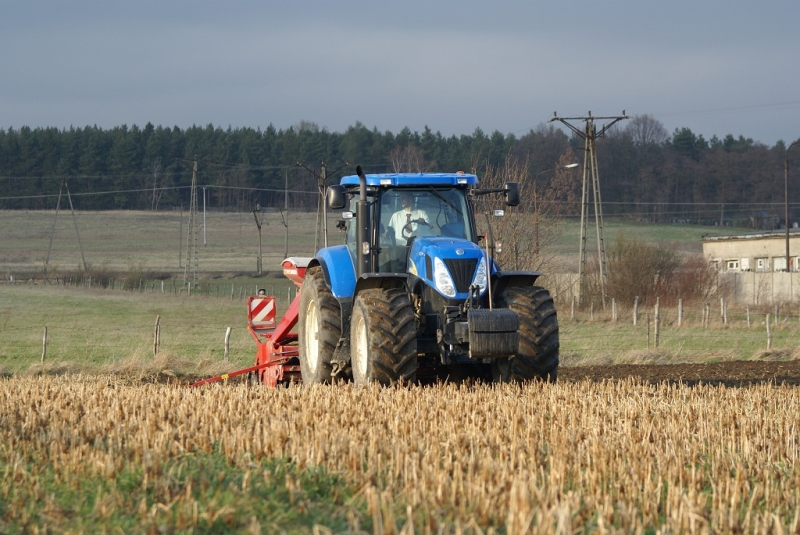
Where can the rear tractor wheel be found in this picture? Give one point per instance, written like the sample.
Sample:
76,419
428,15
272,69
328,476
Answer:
383,337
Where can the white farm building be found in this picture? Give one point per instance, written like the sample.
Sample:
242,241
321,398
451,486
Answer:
758,252
754,265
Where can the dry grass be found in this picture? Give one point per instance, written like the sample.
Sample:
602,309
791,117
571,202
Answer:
613,457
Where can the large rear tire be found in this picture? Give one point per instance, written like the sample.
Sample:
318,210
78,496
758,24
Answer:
383,337
319,328
538,336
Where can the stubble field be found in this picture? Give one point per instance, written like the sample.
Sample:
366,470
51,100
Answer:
84,454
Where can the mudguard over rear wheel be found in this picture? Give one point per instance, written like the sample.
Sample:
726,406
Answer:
538,336
383,337
319,328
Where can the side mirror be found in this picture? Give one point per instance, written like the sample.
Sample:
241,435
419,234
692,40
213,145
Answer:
337,196
511,193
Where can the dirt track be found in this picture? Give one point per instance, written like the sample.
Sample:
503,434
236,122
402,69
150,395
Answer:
737,373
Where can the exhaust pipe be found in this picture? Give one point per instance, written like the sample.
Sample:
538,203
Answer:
364,252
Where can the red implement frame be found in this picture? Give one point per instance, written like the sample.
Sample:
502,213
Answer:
277,349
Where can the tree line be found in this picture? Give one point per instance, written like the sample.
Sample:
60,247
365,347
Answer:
645,173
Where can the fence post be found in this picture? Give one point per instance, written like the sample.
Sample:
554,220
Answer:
724,312
680,312
156,335
572,311
613,310
44,344
769,334
231,291
747,310
776,315
656,323
635,310
227,342
648,330
591,311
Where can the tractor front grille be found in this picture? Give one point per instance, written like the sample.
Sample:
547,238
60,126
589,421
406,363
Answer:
462,271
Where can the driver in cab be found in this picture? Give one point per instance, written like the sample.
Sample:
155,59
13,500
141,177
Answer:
406,221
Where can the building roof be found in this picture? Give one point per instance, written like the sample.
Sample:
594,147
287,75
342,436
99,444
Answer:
794,232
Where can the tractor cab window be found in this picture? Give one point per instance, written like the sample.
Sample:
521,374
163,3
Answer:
410,213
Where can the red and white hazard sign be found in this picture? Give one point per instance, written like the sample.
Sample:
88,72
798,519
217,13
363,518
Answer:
262,312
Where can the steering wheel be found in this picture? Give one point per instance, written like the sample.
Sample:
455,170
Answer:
407,230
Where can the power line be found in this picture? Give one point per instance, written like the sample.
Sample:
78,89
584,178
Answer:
110,192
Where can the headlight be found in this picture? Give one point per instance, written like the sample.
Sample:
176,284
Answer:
442,278
480,274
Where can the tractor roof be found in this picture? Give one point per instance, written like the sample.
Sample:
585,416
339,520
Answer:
413,179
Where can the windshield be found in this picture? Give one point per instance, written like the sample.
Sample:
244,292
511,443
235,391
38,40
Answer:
408,213
423,212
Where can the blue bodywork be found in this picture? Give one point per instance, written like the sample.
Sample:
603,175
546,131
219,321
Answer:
413,179
337,264
425,250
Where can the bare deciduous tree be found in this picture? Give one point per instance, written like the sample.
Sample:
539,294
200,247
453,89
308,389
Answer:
646,130
408,159
528,232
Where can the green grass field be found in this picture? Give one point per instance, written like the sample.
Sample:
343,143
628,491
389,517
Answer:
145,241
93,328
111,330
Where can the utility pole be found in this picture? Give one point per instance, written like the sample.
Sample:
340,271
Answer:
256,213
64,186
191,236
591,181
322,212
786,199
286,212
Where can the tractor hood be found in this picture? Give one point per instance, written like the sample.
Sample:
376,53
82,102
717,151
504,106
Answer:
450,265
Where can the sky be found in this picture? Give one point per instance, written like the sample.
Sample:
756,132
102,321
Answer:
715,67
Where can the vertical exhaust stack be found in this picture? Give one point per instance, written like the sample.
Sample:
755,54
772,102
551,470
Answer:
364,253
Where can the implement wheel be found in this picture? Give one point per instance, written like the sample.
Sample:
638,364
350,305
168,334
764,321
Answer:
538,336
319,328
383,337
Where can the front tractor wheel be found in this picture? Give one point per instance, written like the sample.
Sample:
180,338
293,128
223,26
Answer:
537,357
319,328
383,338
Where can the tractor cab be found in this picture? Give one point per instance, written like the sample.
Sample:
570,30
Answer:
402,215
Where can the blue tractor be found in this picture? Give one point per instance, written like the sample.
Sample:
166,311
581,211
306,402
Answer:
414,294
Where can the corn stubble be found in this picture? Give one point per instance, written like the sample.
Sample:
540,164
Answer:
617,456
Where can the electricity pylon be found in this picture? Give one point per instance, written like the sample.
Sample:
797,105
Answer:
591,180
191,238
64,186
